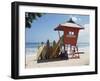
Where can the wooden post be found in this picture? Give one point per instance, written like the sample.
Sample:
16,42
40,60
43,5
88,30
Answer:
67,48
73,55
64,47
70,48
77,52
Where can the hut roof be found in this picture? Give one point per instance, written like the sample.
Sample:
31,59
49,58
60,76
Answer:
69,23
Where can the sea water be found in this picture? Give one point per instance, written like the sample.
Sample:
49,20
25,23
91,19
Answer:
32,48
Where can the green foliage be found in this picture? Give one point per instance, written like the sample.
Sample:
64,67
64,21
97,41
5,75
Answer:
30,17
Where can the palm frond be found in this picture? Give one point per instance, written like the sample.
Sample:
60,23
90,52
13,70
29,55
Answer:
30,17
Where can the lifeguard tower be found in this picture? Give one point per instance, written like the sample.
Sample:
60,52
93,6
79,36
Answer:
68,41
66,47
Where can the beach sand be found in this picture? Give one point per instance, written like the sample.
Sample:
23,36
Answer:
31,61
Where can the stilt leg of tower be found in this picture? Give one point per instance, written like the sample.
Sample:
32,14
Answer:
77,52
74,54
64,47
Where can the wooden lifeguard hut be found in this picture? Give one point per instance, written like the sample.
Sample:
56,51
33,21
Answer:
70,35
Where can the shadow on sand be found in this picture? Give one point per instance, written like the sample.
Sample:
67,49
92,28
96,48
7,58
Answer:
52,60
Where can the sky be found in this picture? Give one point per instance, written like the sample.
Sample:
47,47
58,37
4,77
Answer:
42,28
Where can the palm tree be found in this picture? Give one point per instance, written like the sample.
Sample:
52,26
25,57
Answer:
30,17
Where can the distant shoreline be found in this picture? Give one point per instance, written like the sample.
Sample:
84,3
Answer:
37,44
33,49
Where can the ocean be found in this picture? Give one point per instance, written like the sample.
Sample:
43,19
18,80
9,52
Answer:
31,48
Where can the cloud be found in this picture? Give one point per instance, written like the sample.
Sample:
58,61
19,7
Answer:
74,18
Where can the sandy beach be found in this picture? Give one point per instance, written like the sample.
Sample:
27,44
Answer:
31,61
